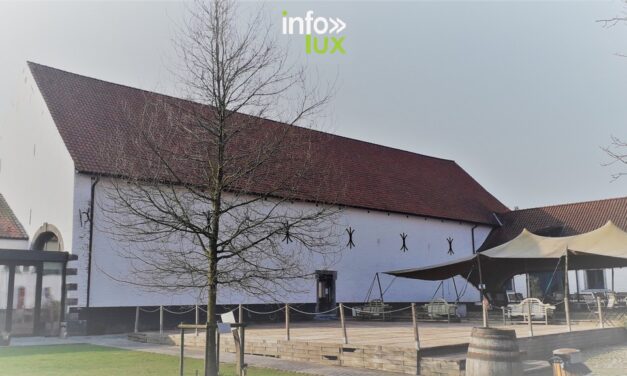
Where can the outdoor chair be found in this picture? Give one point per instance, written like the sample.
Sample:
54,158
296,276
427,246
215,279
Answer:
613,310
539,311
590,301
439,309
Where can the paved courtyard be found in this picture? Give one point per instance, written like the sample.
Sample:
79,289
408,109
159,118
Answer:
604,361
607,361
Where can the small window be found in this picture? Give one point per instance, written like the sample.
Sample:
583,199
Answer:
595,279
509,285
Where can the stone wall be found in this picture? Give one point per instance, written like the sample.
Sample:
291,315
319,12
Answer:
434,361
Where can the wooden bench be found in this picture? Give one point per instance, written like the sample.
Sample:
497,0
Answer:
373,310
540,312
439,309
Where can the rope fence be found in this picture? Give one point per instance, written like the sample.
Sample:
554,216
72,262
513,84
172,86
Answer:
530,314
263,313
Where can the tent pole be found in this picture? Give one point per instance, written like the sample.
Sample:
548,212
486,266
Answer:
528,286
457,293
613,279
379,283
566,292
484,308
577,282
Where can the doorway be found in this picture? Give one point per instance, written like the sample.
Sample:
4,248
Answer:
325,290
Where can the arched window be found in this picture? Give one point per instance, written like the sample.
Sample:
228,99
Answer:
47,238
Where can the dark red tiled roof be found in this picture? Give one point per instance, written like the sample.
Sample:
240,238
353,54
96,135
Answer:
559,220
353,173
10,227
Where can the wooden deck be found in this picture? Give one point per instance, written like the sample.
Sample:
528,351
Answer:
397,334
386,346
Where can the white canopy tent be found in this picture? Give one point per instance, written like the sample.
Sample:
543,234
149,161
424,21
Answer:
605,247
608,241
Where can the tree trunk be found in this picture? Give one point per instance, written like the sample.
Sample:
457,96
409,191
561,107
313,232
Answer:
211,356
211,366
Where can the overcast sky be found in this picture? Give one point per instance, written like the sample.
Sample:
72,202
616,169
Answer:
521,94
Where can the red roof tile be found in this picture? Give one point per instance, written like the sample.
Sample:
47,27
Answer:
559,220
10,227
353,173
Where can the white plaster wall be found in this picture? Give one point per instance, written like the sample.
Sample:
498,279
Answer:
13,244
36,171
80,240
620,279
377,239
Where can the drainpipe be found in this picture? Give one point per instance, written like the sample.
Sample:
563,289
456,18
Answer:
94,181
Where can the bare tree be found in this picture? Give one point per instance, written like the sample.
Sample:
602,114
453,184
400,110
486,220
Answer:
616,152
616,149
613,21
212,194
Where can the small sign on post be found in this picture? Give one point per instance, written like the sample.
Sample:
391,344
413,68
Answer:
224,328
229,324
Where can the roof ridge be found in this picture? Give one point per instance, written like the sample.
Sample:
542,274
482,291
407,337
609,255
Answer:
31,63
572,203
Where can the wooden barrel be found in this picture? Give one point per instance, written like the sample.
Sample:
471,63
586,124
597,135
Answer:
493,352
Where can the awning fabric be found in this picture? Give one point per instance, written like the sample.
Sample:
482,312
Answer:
605,247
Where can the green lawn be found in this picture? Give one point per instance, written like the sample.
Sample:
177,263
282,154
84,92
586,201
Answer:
75,360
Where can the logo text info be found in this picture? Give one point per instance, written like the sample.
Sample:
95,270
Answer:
321,33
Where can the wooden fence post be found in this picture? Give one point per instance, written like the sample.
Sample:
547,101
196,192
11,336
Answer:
415,322
160,319
504,317
197,319
242,346
484,310
342,319
217,351
567,311
136,319
240,363
287,322
530,319
182,355
601,325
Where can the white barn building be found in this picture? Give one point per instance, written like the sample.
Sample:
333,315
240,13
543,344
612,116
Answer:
52,174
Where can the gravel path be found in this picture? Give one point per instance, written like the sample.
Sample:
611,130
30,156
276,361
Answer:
607,361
